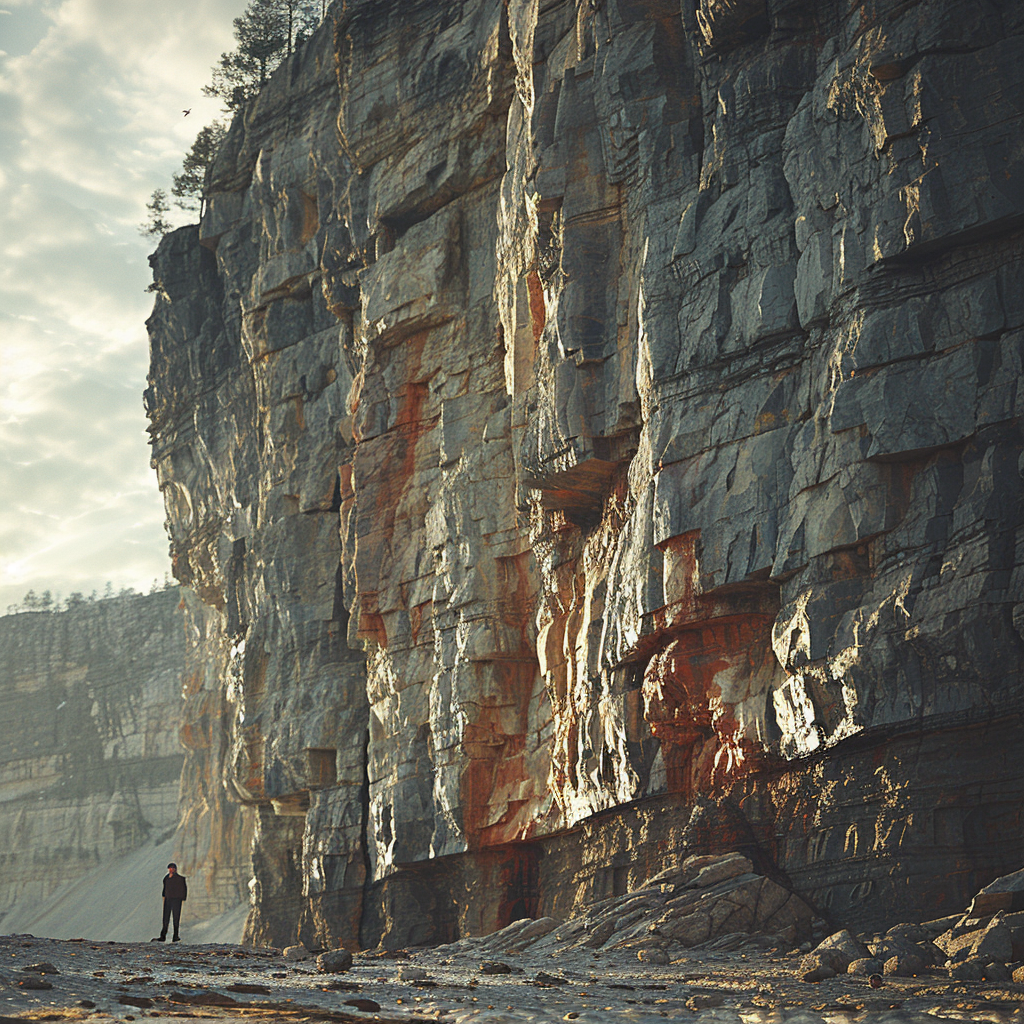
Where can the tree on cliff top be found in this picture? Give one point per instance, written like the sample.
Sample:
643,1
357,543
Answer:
266,33
157,225
188,186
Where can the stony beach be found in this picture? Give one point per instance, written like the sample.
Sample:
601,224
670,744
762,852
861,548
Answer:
55,980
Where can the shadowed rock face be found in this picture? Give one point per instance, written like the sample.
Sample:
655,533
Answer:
590,432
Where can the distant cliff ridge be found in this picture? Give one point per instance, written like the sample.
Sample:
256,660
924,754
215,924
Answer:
591,434
90,759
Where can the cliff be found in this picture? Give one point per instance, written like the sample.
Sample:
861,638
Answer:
591,435
90,760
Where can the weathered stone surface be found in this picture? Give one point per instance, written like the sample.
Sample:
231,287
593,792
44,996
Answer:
865,966
904,965
840,950
591,435
720,870
335,961
993,942
89,720
818,972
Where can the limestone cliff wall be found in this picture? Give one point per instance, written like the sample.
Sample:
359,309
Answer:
90,759
601,420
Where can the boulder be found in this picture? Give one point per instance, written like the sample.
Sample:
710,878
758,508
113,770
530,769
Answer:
904,965
840,950
993,942
866,966
820,972
334,961
967,970
1004,894
721,869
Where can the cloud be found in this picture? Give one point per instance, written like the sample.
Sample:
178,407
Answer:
91,93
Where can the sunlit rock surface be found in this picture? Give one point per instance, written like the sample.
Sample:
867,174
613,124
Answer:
90,759
590,433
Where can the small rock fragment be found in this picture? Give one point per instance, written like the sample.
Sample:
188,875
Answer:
904,965
366,1005
43,968
409,973
866,965
997,972
36,984
652,956
967,970
705,1000
910,933
875,981
140,1002
297,952
494,967
820,973
334,961
543,978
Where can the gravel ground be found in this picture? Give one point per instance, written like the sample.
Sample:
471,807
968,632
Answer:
144,981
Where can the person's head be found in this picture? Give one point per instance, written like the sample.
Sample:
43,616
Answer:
172,868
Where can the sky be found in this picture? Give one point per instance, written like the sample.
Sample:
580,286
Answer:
91,122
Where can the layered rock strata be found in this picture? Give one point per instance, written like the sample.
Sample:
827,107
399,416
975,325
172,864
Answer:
601,420
90,759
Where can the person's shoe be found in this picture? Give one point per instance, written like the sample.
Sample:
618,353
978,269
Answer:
177,938
159,938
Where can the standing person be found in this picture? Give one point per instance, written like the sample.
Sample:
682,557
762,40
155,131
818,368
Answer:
175,893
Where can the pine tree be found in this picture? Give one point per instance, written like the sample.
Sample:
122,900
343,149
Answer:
157,225
188,186
266,33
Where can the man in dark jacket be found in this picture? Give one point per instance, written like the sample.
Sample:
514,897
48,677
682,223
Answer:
175,893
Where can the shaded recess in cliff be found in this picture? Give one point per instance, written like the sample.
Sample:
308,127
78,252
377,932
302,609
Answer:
610,410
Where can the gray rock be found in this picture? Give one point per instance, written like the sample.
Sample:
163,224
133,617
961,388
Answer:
839,950
334,961
653,956
967,970
865,966
821,972
997,972
720,870
409,973
705,1001
904,965
495,967
45,967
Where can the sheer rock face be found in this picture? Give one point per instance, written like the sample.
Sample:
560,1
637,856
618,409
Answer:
89,719
570,414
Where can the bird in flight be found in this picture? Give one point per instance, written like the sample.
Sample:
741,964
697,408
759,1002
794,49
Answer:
187,112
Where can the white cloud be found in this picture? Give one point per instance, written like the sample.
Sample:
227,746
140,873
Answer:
91,94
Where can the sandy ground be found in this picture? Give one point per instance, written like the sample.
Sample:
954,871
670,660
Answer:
120,901
104,981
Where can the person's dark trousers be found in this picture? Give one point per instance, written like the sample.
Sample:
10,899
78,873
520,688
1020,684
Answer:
171,906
